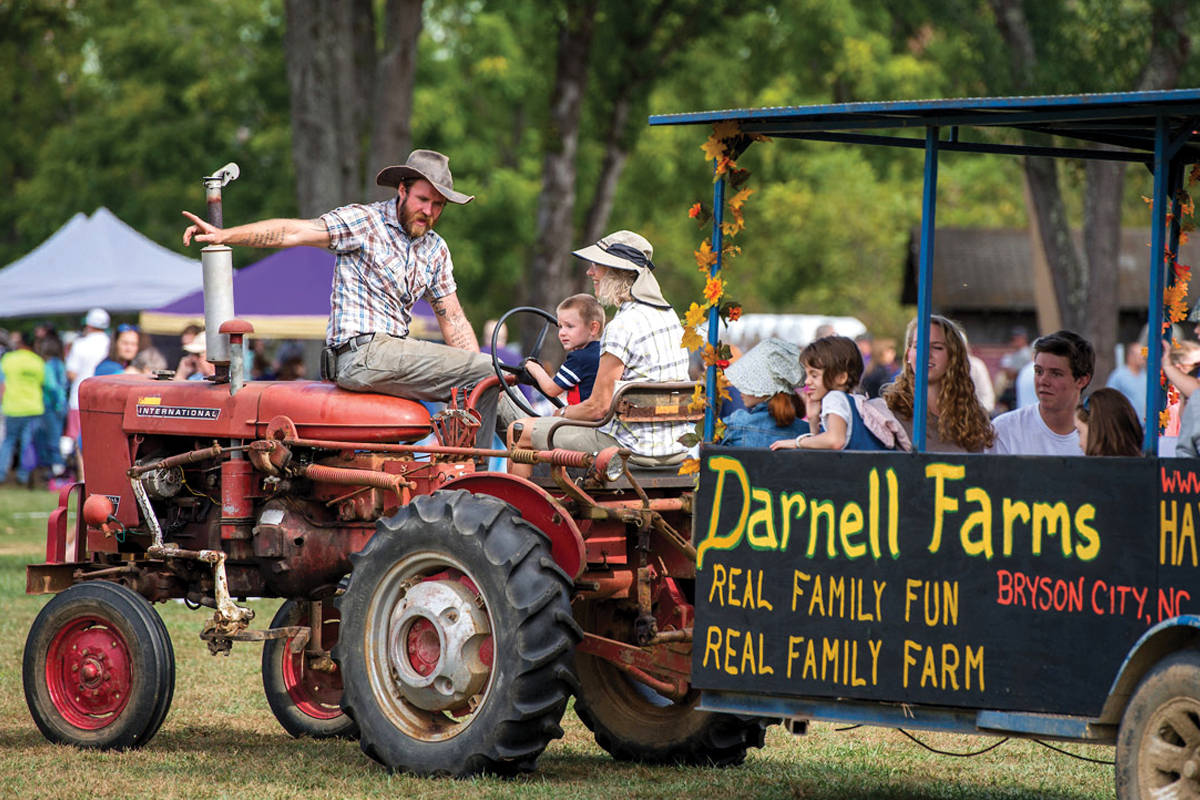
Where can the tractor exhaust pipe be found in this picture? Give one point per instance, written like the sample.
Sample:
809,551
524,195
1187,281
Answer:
217,264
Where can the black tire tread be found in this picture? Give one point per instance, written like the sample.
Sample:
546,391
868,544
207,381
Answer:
521,716
294,721
142,626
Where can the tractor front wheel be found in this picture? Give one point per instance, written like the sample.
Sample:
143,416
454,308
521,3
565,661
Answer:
306,701
99,669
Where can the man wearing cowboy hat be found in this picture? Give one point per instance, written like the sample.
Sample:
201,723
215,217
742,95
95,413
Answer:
388,257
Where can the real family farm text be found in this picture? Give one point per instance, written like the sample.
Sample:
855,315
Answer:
952,581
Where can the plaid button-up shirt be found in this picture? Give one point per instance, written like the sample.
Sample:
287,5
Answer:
380,272
647,340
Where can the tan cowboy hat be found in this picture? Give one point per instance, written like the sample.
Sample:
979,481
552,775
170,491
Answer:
628,251
430,165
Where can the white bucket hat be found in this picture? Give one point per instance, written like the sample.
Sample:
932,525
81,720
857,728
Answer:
628,251
772,365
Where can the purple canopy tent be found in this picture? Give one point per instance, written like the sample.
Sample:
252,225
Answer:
284,296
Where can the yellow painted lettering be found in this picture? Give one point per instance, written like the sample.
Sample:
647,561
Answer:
979,523
851,525
942,504
723,466
762,518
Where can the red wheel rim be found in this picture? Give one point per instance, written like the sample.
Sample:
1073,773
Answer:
317,694
89,673
424,647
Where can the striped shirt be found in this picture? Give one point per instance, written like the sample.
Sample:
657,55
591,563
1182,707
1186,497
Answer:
647,341
380,273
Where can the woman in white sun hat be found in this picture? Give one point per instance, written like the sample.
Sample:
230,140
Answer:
641,343
766,376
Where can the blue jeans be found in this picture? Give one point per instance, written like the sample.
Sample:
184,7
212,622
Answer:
48,435
18,435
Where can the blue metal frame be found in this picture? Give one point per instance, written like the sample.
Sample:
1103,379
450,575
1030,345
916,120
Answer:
1162,124
912,717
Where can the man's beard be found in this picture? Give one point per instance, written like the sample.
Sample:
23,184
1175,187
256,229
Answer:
408,218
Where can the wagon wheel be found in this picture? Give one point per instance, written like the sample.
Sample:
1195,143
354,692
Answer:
306,701
513,392
457,639
1158,746
98,669
634,723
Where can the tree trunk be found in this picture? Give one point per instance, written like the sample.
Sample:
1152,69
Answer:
615,157
325,64
1106,185
549,279
1105,181
1086,281
391,137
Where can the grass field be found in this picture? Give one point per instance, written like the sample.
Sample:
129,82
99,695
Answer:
221,741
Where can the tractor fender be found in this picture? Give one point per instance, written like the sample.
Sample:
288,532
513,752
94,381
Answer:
539,508
1165,638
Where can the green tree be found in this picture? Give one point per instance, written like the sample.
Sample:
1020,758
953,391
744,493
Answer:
143,111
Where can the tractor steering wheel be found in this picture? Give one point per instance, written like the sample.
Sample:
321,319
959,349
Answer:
500,368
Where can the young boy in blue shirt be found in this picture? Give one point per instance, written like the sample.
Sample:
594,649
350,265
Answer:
580,323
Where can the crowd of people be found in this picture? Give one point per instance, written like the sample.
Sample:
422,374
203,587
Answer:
41,370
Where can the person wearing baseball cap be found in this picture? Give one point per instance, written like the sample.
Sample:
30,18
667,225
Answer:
85,355
388,258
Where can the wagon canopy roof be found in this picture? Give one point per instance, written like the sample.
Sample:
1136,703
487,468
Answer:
1125,119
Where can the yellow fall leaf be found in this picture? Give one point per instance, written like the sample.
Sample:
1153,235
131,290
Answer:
705,257
714,148
691,340
740,198
696,315
690,466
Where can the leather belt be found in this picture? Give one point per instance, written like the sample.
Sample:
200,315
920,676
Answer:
353,344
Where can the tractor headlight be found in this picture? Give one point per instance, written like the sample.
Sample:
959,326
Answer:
609,465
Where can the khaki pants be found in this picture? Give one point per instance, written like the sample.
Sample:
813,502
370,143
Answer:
420,370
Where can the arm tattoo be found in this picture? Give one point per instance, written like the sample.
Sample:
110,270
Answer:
462,336
439,306
272,237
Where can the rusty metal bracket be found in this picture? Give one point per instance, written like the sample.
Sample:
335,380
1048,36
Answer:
299,634
665,671
229,618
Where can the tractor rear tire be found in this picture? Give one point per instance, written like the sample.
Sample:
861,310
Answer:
632,722
98,668
457,639
306,702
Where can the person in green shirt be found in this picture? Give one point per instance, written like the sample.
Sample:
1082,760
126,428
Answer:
22,405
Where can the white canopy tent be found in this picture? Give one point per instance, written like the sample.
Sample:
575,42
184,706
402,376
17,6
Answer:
96,261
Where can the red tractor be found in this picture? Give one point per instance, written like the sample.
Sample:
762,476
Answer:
441,614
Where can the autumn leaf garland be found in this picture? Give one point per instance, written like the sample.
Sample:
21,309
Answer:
719,148
1175,295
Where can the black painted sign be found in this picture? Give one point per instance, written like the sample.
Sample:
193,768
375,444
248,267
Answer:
999,582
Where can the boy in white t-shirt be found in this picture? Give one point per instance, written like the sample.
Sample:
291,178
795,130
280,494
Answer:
1063,363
